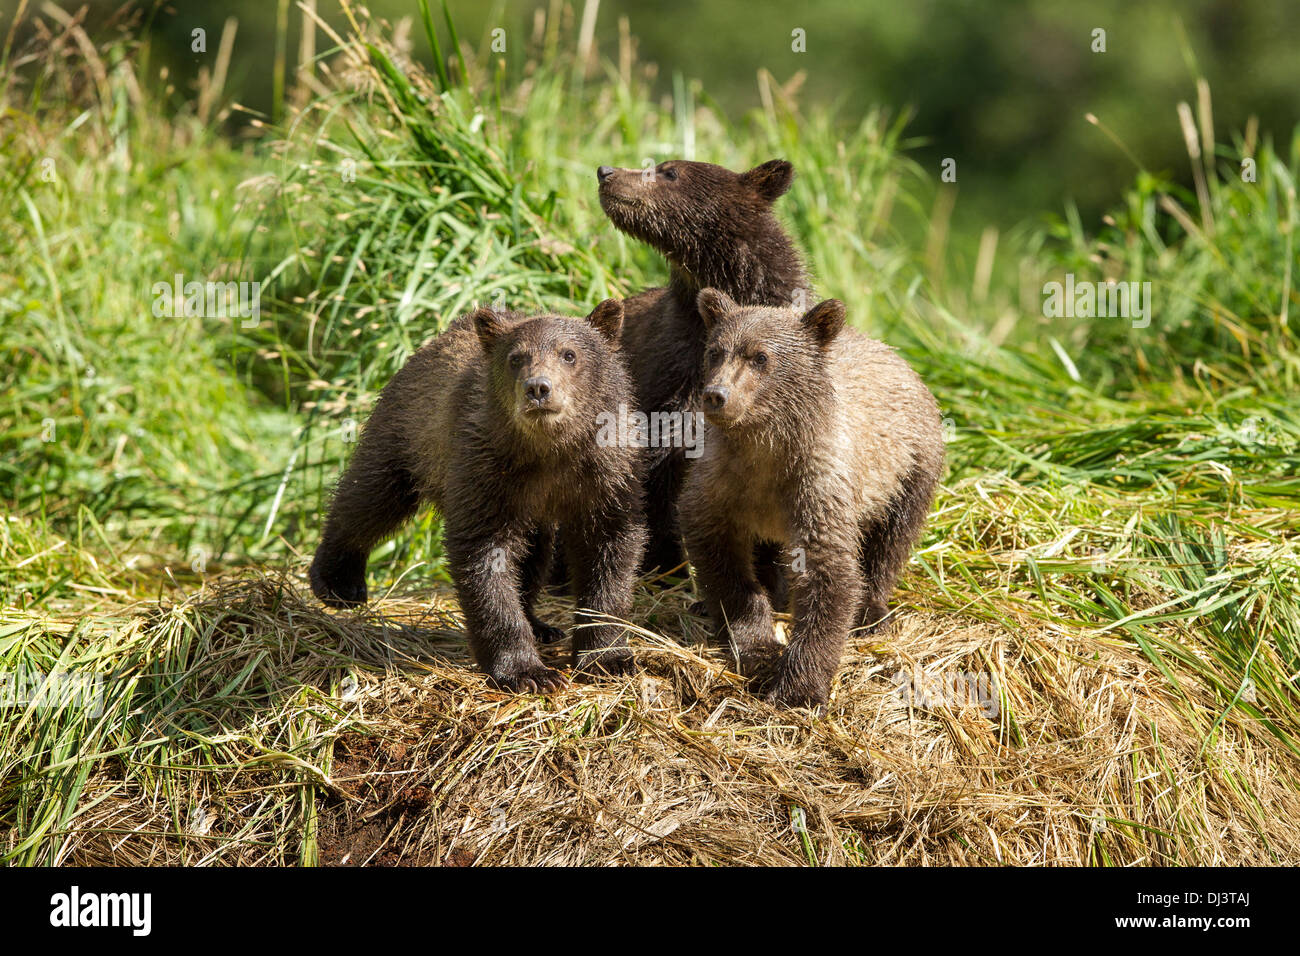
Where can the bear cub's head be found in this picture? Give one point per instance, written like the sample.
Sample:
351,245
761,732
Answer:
676,202
550,376
761,362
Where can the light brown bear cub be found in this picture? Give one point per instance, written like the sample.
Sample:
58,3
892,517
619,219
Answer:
821,439
498,423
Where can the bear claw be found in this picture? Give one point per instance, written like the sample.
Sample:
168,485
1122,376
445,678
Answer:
535,679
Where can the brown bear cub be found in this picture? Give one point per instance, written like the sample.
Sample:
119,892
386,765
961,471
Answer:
717,229
825,441
497,422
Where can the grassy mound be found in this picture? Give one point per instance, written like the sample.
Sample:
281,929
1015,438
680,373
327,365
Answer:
249,726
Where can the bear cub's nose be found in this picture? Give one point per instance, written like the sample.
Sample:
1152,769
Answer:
715,396
604,172
538,388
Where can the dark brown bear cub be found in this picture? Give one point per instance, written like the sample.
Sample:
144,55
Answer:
497,422
716,228
825,441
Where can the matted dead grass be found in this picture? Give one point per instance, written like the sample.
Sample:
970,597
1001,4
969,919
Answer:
371,738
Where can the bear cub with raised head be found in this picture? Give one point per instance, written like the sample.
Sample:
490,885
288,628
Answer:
716,228
823,440
496,422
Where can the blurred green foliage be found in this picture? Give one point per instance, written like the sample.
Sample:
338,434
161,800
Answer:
1002,87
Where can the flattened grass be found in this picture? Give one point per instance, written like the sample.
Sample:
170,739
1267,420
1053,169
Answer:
246,725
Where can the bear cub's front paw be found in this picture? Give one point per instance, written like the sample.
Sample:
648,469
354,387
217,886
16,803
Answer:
758,660
788,686
603,662
528,679
339,580
545,633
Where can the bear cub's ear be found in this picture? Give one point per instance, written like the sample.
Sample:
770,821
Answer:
712,305
769,180
489,324
825,320
607,319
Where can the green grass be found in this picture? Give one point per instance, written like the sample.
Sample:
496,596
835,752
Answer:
1140,486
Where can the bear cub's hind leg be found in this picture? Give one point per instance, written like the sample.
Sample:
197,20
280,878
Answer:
885,544
604,556
533,577
738,604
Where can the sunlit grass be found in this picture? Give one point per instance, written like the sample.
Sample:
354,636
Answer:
1118,498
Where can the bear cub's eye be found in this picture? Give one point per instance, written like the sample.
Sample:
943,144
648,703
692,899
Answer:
669,174
713,355
517,360
760,359
569,356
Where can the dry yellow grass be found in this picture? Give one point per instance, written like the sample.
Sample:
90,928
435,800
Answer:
371,738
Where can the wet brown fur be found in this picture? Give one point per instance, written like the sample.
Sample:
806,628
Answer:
825,441
458,427
716,229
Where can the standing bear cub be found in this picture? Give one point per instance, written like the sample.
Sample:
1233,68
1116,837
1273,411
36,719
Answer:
825,441
717,229
496,422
